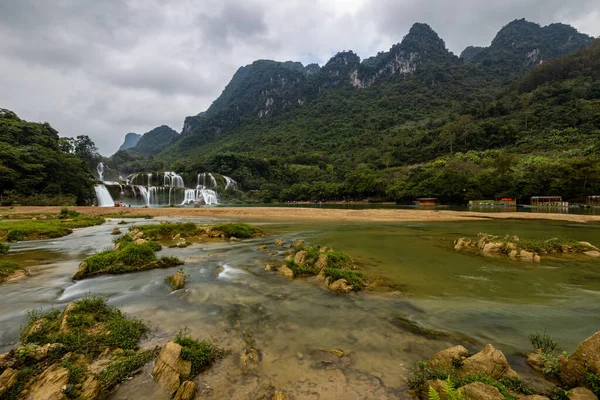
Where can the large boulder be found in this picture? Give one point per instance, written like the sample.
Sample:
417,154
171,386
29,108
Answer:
186,391
581,393
585,359
321,262
81,271
7,380
489,361
340,286
444,360
50,384
170,368
480,391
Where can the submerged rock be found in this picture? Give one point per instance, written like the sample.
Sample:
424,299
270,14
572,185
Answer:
480,391
177,281
286,271
278,242
262,248
585,359
249,359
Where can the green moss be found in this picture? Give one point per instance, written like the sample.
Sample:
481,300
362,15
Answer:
301,270
13,230
238,230
354,278
167,231
8,268
417,329
338,260
202,354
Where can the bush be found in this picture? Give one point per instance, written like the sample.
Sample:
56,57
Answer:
16,235
202,354
7,268
238,230
543,342
4,248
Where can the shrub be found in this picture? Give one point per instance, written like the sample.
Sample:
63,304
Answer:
7,268
4,248
201,354
337,260
238,230
16,235
543,342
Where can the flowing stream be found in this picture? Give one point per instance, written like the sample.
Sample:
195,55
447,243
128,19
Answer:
232,301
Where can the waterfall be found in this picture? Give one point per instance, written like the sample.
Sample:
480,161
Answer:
100,169
202,180
202,195
230,183
212,180
103,196
172,179
144,194
150,179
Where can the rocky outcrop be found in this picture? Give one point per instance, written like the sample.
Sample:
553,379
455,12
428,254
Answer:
581,393
585,359
480,391
300,257
489,361
446,360
8,378
187,391
170,369
50,384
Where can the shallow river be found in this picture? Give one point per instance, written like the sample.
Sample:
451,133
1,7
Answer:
232,301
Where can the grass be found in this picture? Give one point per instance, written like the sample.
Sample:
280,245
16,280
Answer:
507,385
593,382
238,230
543,342
167,231
130,257
94,327
202,354
301,270
13,230
7,268
354,278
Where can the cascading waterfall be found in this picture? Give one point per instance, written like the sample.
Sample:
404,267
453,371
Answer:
100,169
103,196
172,179
206,196
230,183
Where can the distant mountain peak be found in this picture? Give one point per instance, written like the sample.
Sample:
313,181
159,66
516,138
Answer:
131,139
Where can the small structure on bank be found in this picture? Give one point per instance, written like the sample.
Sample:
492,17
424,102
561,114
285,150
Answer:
427,202
501,201
593,201
548,201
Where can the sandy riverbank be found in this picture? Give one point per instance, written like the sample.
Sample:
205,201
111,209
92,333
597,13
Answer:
311,214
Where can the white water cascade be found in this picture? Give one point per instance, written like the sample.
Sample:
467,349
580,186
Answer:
200,194
230,183
203,177
100,169
172,179
103,196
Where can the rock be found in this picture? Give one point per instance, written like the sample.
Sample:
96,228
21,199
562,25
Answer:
249,359
537,259
278,242
340,286
7,380
90,388
268,268
321,262
581,393
138,235
300,257
286,271
443,360
592,253
438,385
41,352
462,243
164,222
586,358
289,252
81,271
64,324
177,281
535,360
262,248
513,254
116,231
117,246
140,241
169,368
36,326
233,239
533,397
326,249
490,361
481,391
6,361
591,246
277,395
297,244
50,384
177,237
493,248
187,391
527,255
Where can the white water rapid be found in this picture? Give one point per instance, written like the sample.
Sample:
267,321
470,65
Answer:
103,196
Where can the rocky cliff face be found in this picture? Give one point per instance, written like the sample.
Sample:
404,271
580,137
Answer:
154,141
131,139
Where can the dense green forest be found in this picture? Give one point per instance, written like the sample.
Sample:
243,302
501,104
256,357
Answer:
39,168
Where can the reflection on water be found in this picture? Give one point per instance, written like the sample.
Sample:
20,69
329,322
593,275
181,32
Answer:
230,299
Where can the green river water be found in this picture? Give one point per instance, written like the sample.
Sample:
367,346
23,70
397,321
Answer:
229,298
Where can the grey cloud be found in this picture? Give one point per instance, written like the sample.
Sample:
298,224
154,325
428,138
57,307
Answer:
105,68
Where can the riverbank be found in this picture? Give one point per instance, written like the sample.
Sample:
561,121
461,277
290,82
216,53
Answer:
309,214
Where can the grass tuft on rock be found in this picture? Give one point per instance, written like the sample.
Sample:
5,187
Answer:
7,268
238,230
167,231
202,354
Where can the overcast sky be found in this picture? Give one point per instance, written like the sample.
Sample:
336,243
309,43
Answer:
108,67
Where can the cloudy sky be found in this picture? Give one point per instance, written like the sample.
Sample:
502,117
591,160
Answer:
105,68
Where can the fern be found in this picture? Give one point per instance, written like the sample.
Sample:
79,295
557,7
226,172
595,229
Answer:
448,389
433,394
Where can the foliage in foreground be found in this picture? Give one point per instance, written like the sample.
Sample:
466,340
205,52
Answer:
202,354
167,231
14,230
7,268
238,230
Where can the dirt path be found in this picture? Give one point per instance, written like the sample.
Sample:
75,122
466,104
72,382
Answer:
311,214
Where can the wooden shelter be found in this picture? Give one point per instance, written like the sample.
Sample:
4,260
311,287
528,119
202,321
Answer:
548,201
